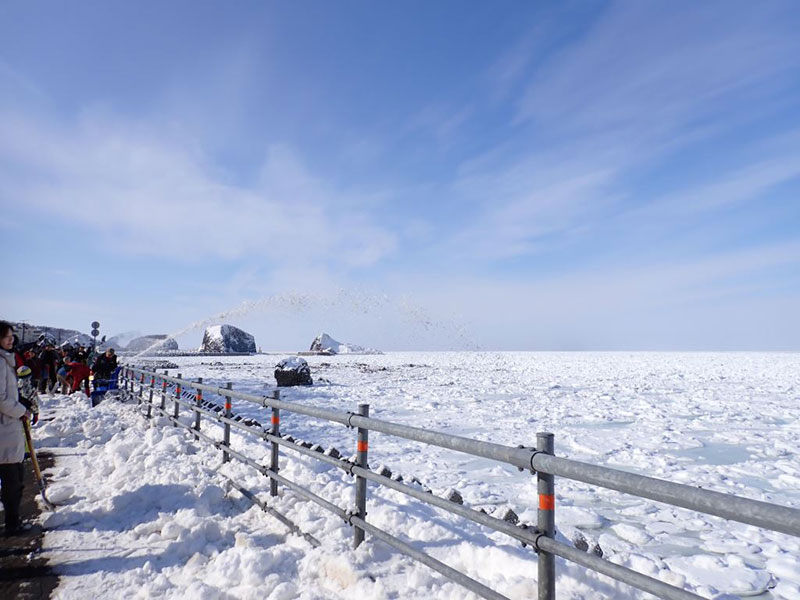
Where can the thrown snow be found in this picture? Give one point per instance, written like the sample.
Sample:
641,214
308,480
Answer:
146,511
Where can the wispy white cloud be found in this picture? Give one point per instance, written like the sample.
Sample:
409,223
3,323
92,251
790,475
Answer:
729,187
153,194
641,83
646,68
521,206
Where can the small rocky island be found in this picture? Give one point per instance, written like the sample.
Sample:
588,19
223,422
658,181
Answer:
325,344
227,339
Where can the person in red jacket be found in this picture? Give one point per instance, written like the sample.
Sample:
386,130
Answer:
79,374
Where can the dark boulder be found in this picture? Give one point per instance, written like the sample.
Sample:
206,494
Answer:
293,371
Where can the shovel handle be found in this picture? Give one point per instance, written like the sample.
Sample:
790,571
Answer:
27,427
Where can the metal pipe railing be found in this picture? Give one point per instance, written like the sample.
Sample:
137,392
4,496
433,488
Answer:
546,521
618,572
536,540
518,457
355,520
539,460
727,506
271,511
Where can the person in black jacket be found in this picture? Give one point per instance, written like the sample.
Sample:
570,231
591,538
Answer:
48,361
104,366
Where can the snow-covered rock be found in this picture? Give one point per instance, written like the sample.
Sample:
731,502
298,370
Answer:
293,371
154,343
227,338
120,341
325,343
79,339
46,339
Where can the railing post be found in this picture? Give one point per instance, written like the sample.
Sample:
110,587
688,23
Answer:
164,394
198,397
226,435
361,483
175,405
150,399
276,431
141,390
546,521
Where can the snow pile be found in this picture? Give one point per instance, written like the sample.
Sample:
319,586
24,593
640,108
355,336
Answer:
147,511
227,338
326,344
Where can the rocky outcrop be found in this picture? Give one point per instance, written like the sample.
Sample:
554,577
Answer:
325,344
78,339
227,338
293,371
152,343
120,341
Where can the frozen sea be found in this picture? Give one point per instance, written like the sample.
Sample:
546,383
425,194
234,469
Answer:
146,512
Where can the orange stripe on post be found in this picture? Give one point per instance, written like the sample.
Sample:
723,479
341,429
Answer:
276,420
363,446
227,406
547,502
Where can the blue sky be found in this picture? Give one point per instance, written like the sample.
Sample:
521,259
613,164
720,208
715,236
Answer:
514,175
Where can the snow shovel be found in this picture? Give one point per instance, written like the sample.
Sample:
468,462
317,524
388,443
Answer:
40,480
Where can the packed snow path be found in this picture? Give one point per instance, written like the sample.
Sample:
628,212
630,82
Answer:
145,511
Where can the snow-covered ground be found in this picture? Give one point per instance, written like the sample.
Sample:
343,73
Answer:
145,511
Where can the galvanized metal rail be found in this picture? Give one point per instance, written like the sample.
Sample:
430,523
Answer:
540,461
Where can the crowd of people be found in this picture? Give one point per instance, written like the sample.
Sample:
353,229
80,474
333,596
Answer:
25,371
66,368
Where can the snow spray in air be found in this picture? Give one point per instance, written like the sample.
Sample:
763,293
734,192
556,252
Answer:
418,322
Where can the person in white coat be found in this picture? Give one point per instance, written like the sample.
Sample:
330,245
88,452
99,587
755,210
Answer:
12,435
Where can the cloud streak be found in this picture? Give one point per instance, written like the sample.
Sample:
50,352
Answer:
149,193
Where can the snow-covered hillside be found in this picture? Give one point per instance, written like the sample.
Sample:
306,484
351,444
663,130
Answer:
147,513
